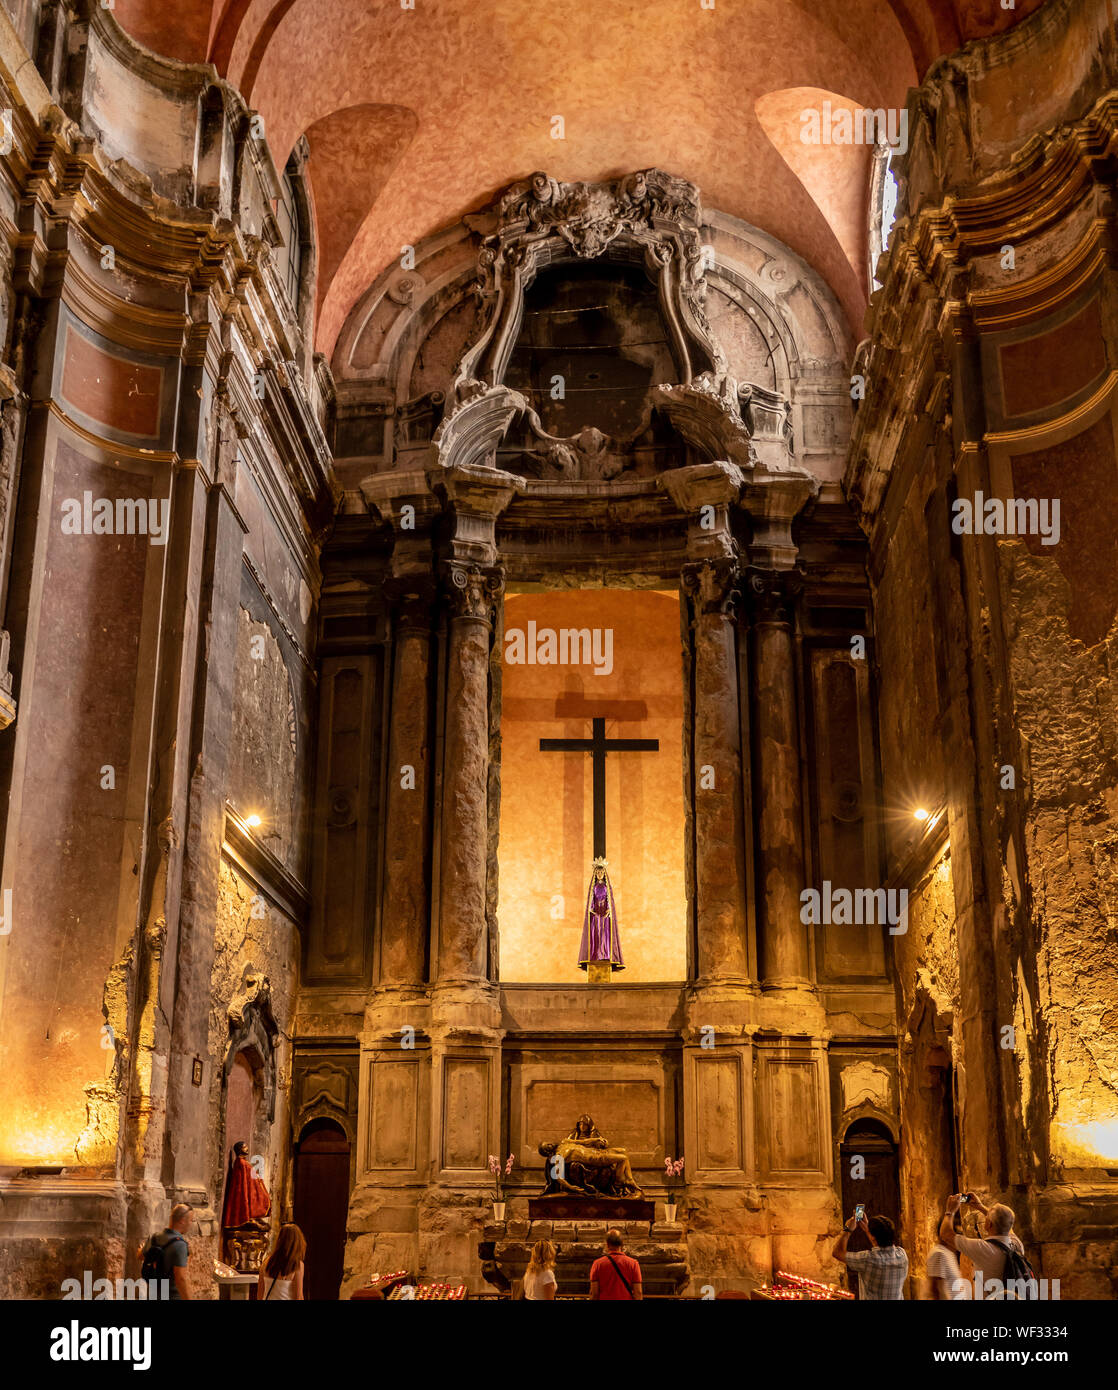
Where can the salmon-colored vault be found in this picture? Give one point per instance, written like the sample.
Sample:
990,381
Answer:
415,116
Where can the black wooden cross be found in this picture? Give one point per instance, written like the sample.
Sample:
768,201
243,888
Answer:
598,746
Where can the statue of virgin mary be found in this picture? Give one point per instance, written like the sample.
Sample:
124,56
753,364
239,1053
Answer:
601,938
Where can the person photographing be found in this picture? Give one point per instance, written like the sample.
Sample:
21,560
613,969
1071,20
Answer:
883,1268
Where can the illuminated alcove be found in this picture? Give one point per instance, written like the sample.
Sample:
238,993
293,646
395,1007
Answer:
546,844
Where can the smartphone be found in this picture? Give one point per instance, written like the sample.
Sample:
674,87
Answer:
963,1197
860,1212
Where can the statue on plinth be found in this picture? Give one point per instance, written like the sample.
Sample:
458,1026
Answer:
600,950
585,1164
244,1213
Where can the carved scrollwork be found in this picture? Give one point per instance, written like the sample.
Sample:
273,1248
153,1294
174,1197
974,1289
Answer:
471,590
539,220
714,586
772,595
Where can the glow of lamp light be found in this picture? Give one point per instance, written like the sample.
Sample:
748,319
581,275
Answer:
254,821
920,813
1098,1137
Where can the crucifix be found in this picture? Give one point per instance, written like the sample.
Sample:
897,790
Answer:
598,746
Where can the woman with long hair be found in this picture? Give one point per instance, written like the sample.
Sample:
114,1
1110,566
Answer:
539,1277
282,1275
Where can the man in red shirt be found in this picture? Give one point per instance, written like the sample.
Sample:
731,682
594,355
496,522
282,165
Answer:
615,1275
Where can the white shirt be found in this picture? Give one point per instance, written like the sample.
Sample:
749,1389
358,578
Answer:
535,1281
278,1291
943,1264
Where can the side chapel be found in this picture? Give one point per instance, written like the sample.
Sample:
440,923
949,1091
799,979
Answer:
597,536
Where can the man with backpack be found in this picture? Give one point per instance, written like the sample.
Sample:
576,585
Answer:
1000,1267
166,1255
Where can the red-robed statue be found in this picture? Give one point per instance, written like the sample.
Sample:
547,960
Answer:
246,1197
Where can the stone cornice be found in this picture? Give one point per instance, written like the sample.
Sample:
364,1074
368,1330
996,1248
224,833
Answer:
933,301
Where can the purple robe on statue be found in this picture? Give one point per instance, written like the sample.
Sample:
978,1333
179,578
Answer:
601,939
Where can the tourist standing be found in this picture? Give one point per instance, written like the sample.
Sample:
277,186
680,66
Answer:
282,1275
166,1256
945,1279
989,1252
615,1276
540,1285
883,1268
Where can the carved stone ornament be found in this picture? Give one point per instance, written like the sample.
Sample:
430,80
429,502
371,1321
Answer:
772,594
863,1083
472,591
589,456
253,1025
713,585
539,221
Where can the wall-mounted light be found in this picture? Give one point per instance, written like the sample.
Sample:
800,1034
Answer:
253,821
920,813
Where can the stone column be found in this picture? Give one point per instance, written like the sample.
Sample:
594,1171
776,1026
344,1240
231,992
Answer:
784,937
705,493
720,862
406,903
464,842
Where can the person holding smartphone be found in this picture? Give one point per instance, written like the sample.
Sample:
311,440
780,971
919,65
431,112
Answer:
945,1280
883,1268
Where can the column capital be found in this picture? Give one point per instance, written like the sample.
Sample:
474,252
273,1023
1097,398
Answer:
412,598
475,497
472,590
773,501
706,492
771,594
713,585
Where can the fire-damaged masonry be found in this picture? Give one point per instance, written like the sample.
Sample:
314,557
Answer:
284,631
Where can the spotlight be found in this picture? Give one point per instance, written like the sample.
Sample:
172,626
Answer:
920,813
253,821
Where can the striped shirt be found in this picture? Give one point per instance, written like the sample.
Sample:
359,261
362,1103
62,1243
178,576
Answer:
881,1272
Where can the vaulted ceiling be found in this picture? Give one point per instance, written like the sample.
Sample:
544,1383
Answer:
415,116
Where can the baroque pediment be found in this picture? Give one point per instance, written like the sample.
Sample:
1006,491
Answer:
648,215
589,216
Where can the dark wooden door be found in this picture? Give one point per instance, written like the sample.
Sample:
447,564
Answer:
321,1204
878,1189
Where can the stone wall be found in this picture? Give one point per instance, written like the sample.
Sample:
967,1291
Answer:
990,370
167,417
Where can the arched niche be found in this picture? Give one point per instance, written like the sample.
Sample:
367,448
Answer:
766,318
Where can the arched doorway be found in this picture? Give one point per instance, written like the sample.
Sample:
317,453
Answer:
321,1204
878,1189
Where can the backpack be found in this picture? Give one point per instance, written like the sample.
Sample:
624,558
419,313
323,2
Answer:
153,1266
1017,1269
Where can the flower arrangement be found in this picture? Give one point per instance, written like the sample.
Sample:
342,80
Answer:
673,1171
500,1173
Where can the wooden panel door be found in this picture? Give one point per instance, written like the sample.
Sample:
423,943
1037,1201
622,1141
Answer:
321,1205
878,1189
